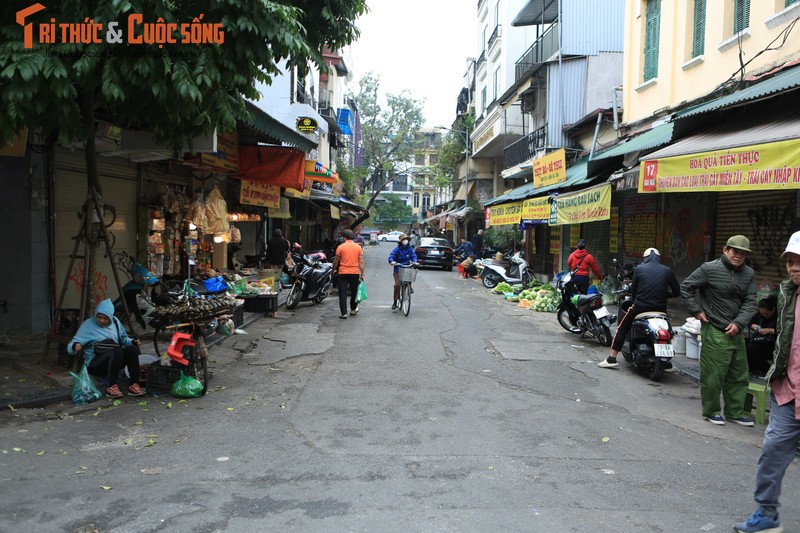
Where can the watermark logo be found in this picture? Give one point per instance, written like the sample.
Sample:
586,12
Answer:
138,32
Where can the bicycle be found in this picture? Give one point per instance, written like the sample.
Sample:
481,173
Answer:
408,275
190,347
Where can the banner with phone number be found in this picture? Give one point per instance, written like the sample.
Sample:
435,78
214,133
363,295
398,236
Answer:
505,214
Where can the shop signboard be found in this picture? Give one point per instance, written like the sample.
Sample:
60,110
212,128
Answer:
555,240
536,210
226,158
337,188
282,211
335,213
613,239
306,125
302,195
588,205
258,193
505,214
550,169
574,235
756,167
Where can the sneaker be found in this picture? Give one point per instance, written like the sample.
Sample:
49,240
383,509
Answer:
744,421
343,317
760,521
608,363
716,420
354,312
135,390
394,305
114,392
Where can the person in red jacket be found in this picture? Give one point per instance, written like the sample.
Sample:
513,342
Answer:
583,261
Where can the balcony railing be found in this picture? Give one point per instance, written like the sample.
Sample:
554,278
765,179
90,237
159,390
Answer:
495,35
481,60
524,149
544,47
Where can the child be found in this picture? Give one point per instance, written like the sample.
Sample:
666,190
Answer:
762,337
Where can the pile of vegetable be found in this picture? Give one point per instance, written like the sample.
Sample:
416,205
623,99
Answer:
544,298
503,288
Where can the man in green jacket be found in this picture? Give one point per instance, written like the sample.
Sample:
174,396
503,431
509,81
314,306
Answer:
727,301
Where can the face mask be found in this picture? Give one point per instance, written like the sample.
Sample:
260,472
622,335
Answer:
404,242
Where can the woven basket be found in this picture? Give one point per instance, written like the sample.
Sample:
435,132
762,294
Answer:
408,274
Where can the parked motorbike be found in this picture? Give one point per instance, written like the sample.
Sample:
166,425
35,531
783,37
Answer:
312,280
583,313
648,346
494,273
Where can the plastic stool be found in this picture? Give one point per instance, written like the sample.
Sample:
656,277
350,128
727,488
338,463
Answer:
176,344
461,272
761,394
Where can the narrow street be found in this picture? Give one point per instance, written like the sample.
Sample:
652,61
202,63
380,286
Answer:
470,414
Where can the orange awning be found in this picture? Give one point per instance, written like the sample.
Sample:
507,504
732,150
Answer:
274,165
316,171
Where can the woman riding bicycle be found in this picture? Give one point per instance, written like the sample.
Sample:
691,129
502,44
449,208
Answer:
403,253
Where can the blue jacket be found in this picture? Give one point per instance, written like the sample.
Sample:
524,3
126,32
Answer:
401,255
91,332
466,249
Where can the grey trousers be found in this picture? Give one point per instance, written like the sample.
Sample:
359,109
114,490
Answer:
777,452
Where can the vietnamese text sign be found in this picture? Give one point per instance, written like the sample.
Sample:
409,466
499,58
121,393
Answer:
613,238
227,155
550,169
504,214
536,210
294,193
574,235
589,205
748,168
257,193
555,240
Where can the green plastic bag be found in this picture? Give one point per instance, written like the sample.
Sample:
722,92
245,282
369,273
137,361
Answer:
187,387
84,390
361,294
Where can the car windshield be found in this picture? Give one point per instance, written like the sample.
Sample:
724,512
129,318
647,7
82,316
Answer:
434,242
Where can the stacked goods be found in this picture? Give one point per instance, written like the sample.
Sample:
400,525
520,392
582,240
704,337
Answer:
194,308
544,298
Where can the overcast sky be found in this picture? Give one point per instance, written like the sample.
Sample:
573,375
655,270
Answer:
418,45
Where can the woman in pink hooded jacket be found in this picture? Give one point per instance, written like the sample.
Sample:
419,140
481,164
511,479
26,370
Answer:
583,261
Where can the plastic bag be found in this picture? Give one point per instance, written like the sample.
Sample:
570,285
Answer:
187,387
225,327
361,294
84,390
216,284
216,212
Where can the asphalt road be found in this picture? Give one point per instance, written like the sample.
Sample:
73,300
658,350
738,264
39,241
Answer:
469,415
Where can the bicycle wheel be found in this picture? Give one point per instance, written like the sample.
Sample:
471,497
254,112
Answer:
405,298
198,363
161,339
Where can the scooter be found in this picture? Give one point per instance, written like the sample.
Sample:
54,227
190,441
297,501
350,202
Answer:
138,302
312,280
494,273
648,346
583,313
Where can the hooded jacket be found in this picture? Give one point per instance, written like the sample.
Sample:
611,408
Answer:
90,332
727,294
584,261
653,283
401,255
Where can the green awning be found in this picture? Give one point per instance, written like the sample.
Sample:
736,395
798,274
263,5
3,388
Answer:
577,175
655,137
776,84
272,127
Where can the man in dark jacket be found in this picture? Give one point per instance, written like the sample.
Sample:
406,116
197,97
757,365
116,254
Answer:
783,431
652,284
477,243
727,289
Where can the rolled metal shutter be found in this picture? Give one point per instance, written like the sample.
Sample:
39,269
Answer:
118,177
764,217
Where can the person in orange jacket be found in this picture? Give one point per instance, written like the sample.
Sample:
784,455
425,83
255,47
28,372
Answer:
583,261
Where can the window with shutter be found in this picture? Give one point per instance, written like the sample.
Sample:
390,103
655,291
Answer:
741,13
651,34
699,32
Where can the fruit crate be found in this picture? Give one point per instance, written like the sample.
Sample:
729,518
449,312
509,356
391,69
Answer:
263,303
160,378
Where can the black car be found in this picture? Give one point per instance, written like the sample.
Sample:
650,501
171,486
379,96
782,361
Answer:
435,252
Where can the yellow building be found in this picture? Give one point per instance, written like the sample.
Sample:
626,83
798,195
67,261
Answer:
677,51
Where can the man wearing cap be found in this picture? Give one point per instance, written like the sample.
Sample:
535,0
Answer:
652,284
727,301
783,432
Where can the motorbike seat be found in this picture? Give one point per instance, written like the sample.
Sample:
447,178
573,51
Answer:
586,298
650,314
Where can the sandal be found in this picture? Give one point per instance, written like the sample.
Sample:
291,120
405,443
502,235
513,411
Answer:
135,390
114,392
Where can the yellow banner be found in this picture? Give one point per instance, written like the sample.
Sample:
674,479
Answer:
574,235
257,193
550,169
282,212
555,240
227,155
757,167
536,209
294,193
589,205
502,215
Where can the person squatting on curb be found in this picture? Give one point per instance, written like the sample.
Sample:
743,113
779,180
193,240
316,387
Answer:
728,293
783,430
652,284
349,263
